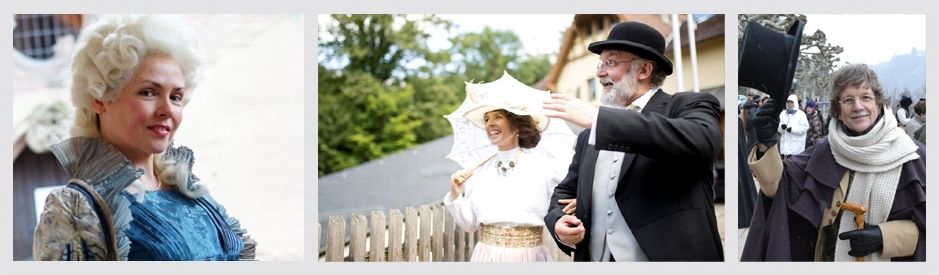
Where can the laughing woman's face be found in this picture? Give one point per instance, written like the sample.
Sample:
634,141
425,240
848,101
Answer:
500,131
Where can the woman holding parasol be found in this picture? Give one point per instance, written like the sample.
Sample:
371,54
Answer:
507,192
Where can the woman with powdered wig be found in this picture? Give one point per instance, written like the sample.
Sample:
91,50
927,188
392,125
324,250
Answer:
132,194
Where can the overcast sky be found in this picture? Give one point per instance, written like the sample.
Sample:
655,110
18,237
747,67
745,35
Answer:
870,39
539,33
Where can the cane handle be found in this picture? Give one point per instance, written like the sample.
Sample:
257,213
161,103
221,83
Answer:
858,211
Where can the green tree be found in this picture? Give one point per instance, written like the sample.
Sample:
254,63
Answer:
483,56
361,119
366,107
435,97
380,45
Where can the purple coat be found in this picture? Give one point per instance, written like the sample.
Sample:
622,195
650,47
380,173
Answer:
785,228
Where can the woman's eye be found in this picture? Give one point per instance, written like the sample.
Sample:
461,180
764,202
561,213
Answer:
147,92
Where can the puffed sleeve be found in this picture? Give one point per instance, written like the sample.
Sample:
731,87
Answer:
462,208
68,228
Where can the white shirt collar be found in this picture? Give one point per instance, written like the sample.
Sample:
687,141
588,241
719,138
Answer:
644,99
508,154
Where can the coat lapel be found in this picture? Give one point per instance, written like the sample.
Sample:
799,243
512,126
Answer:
657,104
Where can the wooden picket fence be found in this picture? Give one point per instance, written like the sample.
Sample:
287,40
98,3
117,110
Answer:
426,233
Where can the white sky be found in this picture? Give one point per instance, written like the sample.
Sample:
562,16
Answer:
539,33
870,39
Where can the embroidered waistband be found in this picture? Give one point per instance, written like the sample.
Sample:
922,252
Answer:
515,236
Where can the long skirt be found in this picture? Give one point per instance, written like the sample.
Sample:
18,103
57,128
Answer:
490,253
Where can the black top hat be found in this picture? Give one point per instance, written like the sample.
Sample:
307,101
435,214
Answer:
636,38
768,59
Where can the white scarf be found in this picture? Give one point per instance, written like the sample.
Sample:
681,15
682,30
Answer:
877,158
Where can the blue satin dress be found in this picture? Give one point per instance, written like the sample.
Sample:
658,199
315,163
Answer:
168,226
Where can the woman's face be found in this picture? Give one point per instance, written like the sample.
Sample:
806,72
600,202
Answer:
143,118
500,131
859,109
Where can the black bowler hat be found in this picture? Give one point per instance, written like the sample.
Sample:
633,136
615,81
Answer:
768,59
636,38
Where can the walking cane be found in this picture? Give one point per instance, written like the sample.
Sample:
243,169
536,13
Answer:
858,211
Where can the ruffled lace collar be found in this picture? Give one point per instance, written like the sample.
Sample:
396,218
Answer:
102,166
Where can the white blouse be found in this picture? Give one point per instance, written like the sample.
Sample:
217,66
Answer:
520,197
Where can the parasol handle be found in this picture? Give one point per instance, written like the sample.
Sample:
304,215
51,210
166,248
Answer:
481,162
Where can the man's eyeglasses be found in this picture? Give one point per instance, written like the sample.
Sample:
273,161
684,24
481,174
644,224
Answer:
868,98
610,63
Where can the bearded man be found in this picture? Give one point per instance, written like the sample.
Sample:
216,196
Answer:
641,178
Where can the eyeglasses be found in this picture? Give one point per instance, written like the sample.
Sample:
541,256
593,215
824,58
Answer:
610,63
865,99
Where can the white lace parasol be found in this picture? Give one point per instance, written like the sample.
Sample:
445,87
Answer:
471,146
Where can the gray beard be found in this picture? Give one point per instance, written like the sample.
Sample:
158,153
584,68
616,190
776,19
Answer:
621,91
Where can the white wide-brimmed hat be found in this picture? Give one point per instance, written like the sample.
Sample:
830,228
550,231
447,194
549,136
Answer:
513,100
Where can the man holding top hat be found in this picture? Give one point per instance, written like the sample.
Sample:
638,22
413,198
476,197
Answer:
858,194
641,176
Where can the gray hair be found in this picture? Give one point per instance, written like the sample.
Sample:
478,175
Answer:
658,75
853,75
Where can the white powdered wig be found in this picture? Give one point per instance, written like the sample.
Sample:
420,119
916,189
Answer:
109,51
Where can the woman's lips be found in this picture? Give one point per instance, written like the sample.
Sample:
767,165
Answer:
160,131
859,115
493,132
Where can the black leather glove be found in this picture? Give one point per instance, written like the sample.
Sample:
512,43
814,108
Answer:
864,241
765,121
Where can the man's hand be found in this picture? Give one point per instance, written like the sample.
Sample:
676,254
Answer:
572,110
864,241
570,230
570,205
766,121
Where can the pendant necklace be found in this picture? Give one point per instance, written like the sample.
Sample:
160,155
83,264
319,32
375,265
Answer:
504,167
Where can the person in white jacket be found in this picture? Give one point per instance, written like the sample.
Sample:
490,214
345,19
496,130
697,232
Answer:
793,126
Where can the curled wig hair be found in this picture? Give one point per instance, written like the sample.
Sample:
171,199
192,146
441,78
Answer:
108,54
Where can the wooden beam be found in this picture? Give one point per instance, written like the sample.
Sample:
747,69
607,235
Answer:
18,146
